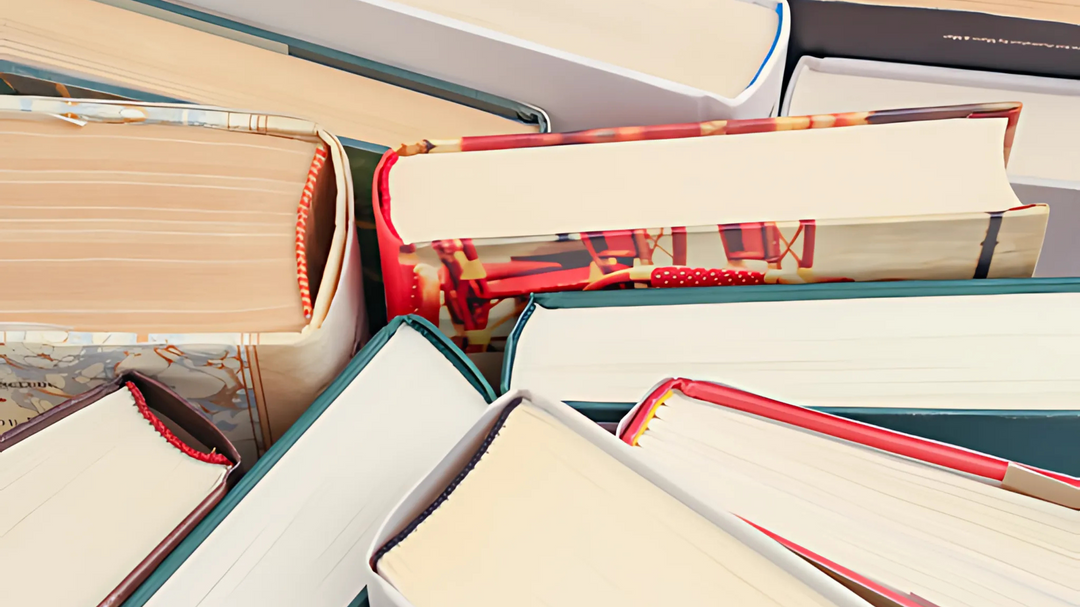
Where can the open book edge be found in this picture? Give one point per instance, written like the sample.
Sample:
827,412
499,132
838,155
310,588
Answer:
409,510
148,593
529,339
1042,485
685,147
1045,485
152,400
325,207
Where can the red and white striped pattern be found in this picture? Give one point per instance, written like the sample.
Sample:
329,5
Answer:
302,213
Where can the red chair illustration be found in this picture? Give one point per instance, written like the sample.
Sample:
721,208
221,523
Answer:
594,261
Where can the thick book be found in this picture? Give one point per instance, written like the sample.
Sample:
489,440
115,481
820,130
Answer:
211,249
469,228
154,51
641,62
95,492
1038,38
1044,165
538,506
928,522
109,48
296,529
985,364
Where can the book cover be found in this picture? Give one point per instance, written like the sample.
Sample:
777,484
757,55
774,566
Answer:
474,288
658,71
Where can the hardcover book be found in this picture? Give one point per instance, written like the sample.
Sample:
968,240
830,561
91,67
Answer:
159,52
985,364
1038,38
95,492
1044,166
92,44
210,249
467,230
642,63
928,522
296,529
538,506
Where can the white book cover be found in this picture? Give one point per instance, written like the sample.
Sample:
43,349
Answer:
596,65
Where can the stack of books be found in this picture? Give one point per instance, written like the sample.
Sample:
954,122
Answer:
435,303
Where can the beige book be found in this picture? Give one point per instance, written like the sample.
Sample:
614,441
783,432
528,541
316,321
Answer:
213,250
714,45
921,519
110,227
124,48
533,512
968,351
1045,145
869,196
94,495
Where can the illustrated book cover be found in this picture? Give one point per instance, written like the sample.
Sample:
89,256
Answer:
469,228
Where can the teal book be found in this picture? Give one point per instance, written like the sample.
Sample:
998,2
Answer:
153,51
989,365
296,529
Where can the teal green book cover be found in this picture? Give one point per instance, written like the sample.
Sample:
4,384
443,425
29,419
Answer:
1044,438
434,344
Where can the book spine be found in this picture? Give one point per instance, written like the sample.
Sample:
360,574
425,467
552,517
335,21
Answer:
303,213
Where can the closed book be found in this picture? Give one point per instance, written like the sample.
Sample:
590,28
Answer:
930,523
536,505
160,52
641,63
469,228
1010,36
983,364
1044,165
115,50
212,250
95,492
296,529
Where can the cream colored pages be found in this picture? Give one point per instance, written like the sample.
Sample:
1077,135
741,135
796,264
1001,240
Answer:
1067,11
149,228
714,45
115,46
301,535
547,518
970,352
948,538
84,501
1046,136
832,173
